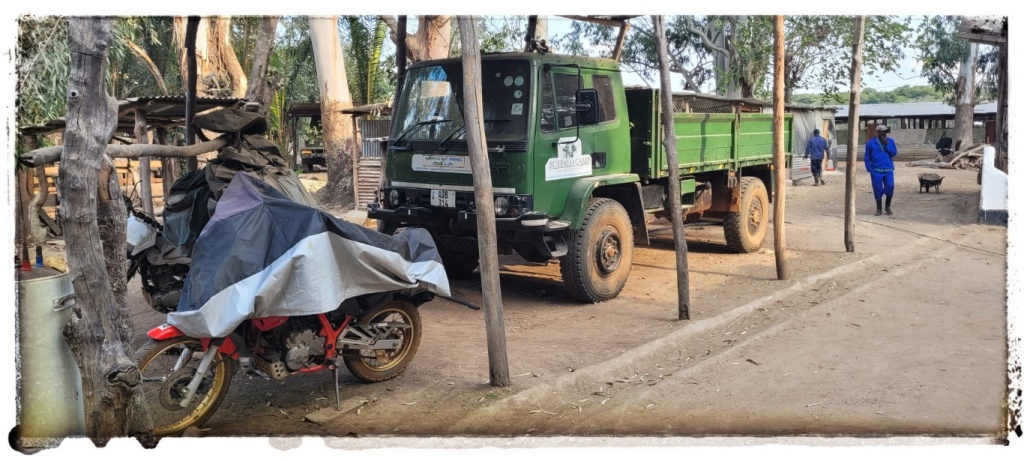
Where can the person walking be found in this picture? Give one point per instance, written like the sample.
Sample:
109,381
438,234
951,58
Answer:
878,154
816,148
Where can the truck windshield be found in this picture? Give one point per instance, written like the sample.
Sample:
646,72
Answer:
431,106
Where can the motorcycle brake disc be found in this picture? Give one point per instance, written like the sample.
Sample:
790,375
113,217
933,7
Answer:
175,386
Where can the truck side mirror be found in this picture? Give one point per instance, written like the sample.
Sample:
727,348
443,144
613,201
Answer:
586,106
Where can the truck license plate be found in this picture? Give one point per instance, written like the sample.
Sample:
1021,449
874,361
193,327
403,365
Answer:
445,198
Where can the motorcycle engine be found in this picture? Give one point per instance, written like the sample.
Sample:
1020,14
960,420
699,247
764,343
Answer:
296,343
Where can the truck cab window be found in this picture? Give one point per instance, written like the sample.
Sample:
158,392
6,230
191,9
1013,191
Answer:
558,101
606,98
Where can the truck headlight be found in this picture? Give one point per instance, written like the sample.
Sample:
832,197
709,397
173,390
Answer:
394,198
501,206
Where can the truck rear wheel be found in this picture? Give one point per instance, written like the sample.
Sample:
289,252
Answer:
745,229
600,253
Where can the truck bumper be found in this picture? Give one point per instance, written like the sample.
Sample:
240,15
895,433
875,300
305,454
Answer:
462,219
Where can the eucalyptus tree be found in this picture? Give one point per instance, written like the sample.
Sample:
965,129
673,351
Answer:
337,127
952,65
432,40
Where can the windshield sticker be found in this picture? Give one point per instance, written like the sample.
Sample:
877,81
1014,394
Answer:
517,108
568,121
518,94
441,163
508,81
519,80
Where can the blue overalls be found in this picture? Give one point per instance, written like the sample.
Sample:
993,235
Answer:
878,160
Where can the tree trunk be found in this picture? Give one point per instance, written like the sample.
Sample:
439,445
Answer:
778,150
963,125
261,86
218,72
99,330
337,127
850,218
487,244
671,144
432,39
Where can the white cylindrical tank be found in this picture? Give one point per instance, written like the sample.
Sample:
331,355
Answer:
49,384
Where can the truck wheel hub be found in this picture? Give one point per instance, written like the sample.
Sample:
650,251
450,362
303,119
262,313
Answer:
754,216
609,251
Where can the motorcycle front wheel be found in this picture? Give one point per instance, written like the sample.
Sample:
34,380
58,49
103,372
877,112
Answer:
167,367
376,365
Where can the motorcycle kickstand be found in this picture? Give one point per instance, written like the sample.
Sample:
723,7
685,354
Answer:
337,384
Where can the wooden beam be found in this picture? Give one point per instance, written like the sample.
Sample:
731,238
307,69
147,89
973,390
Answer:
595,20
672,157
620,42
494,316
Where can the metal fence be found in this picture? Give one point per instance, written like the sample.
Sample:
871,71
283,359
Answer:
374,133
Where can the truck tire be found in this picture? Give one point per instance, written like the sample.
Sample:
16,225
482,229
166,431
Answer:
460,258
600,253
745,229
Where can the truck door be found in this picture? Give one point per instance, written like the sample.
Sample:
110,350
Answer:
559,156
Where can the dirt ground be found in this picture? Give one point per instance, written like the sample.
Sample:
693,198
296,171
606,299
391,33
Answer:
906,335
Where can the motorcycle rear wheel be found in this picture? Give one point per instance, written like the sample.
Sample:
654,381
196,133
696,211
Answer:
374,366
163,387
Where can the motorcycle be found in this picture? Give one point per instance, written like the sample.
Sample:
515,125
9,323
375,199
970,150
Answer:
345,296
184,379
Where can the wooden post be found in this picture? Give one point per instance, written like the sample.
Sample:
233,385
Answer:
484,195
778,136
192,163
854,133
400,60
668,124
168,165
145,172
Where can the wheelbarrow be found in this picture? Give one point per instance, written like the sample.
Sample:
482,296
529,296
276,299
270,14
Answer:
928,181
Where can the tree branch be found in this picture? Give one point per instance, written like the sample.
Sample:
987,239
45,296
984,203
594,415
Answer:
688,22
150,65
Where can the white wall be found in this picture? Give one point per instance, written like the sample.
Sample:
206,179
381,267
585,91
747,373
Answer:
993,182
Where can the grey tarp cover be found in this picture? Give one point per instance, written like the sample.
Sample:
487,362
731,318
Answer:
262,254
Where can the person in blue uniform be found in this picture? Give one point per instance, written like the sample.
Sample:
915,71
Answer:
878,154
816,148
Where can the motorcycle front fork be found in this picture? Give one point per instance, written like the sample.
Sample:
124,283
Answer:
204,365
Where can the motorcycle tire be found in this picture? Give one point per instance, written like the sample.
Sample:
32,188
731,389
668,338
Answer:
163,386
374,366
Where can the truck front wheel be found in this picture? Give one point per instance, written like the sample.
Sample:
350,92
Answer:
745,229
600,253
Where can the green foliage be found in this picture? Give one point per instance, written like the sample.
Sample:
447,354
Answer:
905,93
818,49
128,75
497,34
369,79
43,63
942,54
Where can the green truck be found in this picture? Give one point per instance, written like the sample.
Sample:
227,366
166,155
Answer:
577,165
